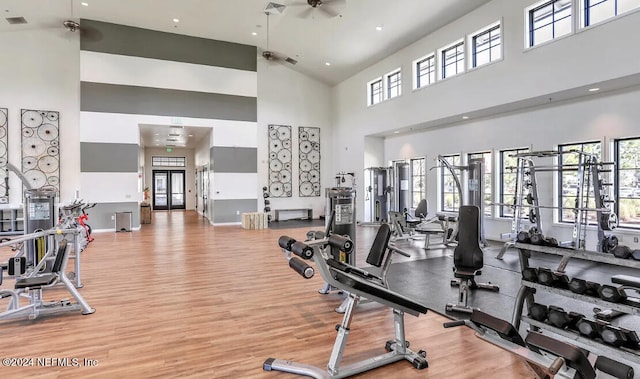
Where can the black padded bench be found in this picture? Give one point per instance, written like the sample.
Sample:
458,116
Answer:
309,212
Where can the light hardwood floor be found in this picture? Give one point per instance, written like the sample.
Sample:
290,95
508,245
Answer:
181,298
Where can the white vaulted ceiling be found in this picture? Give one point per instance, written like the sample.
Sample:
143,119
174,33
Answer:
349,41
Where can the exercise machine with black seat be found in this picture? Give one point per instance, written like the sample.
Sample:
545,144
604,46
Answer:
358,283
468,259
546,356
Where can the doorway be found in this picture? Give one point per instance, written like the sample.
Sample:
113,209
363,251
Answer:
168,189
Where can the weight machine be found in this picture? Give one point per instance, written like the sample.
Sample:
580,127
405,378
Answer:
378,194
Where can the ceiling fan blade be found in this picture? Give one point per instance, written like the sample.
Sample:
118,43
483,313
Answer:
306,13
329,12
334,2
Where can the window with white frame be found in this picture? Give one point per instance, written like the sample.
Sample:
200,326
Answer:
568,178
548,20
486,45
425,71
627,181
417,181
374,91
594,11
508,177
487,179
449,194
162,161
394,84
452,58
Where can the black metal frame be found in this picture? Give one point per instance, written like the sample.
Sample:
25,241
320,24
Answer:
502,199
616,176
562,148
459,53
490,46
553,22
426,70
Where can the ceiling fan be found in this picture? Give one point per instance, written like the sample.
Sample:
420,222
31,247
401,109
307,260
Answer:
74,27
321,7
273,56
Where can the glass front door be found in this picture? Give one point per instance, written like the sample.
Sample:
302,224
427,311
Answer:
168,189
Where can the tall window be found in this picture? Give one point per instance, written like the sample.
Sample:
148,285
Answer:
452,60
600,10
508,175
417,181
568,178
449,195
486,46
394,84
549,20
627,181
487,179
425,71
375,91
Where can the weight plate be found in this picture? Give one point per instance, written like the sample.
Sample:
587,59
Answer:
284,156
52,116
28,132
284,132
37,178
53,180
33,146
48,132
305,165
305,147
285,176
275,165
48,164
306,189
32,119
608,221
29,163
275,146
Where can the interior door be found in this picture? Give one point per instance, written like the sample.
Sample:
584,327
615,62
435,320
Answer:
168,189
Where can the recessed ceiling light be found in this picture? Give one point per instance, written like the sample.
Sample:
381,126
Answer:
190,135
465,117
379,27
176,20
327,63
254,33
594,89
396,132
85,4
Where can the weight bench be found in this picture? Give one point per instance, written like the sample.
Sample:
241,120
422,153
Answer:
358,283
32,286
546,356
468,259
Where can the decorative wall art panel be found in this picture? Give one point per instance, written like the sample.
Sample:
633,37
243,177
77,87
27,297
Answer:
309,162
4,157
41,148
280,161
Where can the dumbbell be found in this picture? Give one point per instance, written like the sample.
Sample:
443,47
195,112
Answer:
536,238
551,279
616,336
584,287
610,293
550,241
635,255
588,328
530,274
561,319
621,251
523,237
538,312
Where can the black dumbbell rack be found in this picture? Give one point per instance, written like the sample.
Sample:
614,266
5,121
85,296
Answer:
528,290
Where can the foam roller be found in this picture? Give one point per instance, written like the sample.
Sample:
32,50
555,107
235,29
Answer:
341,242
302,250
285,242
614,368
301,268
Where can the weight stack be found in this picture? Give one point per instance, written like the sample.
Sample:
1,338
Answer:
342,200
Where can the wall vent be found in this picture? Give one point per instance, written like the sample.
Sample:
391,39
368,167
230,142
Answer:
16,20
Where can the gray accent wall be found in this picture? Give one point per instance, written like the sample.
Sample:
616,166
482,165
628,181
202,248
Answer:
234,159
226,211
108,157
112,98
100,215
109,38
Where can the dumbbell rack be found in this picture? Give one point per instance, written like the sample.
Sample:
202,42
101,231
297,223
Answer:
528,289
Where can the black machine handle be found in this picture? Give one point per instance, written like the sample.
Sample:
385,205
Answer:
341,242
302,250
452,324
614,368
301,268
285,242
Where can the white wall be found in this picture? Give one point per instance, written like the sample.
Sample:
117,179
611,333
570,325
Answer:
40,70
524,75
287,97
